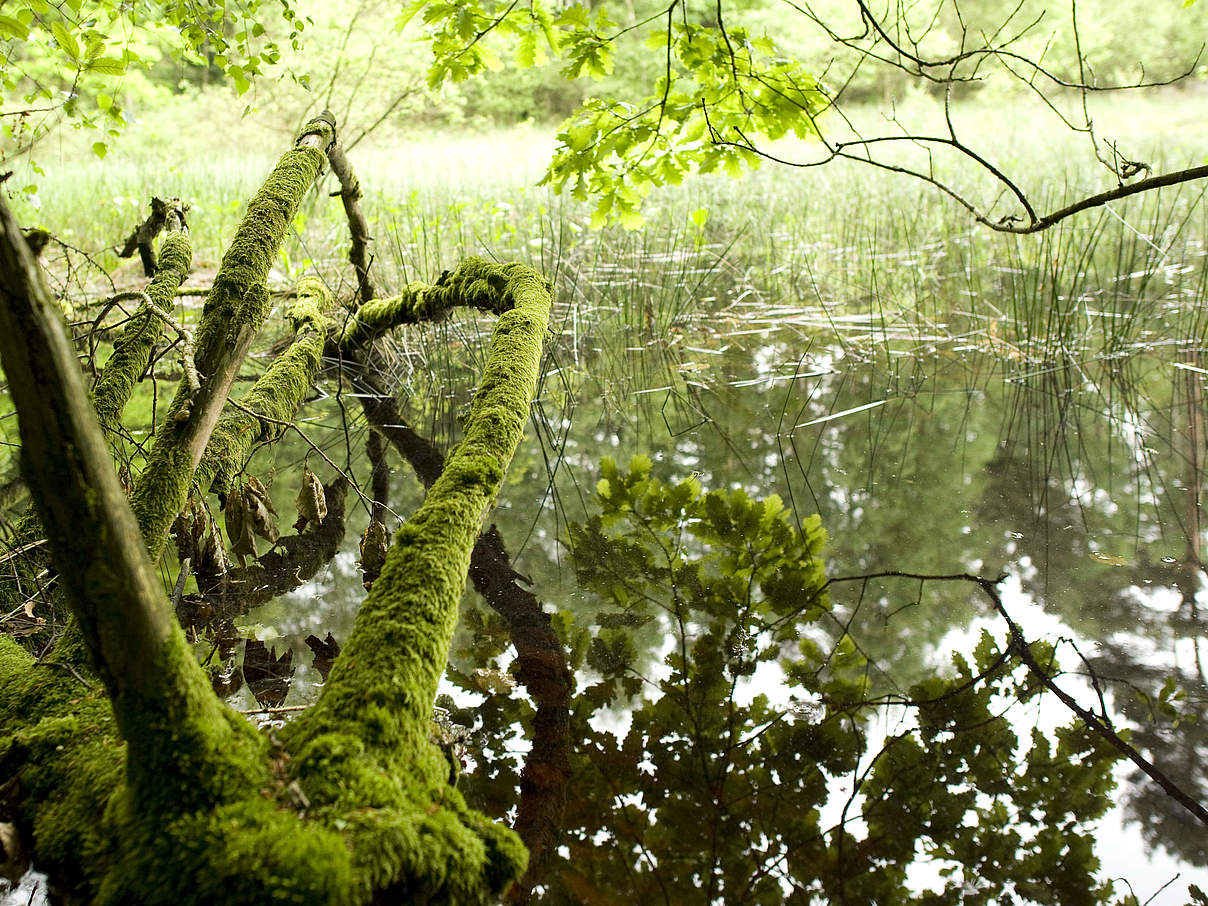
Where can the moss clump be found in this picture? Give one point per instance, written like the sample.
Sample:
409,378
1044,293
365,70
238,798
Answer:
185,809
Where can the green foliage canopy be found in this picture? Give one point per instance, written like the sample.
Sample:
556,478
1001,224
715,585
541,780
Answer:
716,81
73,56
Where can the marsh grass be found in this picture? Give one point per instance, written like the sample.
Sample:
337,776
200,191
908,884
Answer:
843,263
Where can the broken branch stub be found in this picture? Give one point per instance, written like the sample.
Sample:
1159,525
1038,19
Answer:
358,226
169,212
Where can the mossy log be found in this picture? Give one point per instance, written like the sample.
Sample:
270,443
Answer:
132,350
149,790
475,284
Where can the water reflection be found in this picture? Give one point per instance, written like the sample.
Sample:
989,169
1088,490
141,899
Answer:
724,747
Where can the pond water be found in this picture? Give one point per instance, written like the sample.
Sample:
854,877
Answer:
722,731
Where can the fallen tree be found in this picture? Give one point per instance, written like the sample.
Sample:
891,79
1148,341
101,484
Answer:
125,776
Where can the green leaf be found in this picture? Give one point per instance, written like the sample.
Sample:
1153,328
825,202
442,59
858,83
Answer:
488,57
12,28
631,219
66,40
107,66
100,149
239,77
528,53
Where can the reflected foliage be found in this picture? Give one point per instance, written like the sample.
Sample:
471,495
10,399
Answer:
728,747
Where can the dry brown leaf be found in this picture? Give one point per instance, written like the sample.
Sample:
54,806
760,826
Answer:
311,502
374,543
239,526
260,510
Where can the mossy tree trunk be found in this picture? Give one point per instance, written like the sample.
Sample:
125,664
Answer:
145,787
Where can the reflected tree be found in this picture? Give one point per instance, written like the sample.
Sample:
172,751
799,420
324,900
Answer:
728,747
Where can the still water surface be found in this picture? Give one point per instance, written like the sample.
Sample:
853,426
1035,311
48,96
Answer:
1071,473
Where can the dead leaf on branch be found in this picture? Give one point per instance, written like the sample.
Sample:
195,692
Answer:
267,675
311,502
374,544
325,651
199,541
249,512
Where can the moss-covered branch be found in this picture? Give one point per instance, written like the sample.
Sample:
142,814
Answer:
70,472
235,309
276,395
370,724
476,284
132,350
542,665
183,751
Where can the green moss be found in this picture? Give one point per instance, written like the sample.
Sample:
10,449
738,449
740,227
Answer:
132,350
476,284
238,297
365,742
185,809
275,397
172,470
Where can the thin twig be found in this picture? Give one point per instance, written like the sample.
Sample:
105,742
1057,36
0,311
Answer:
192,378
67,667
315,447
